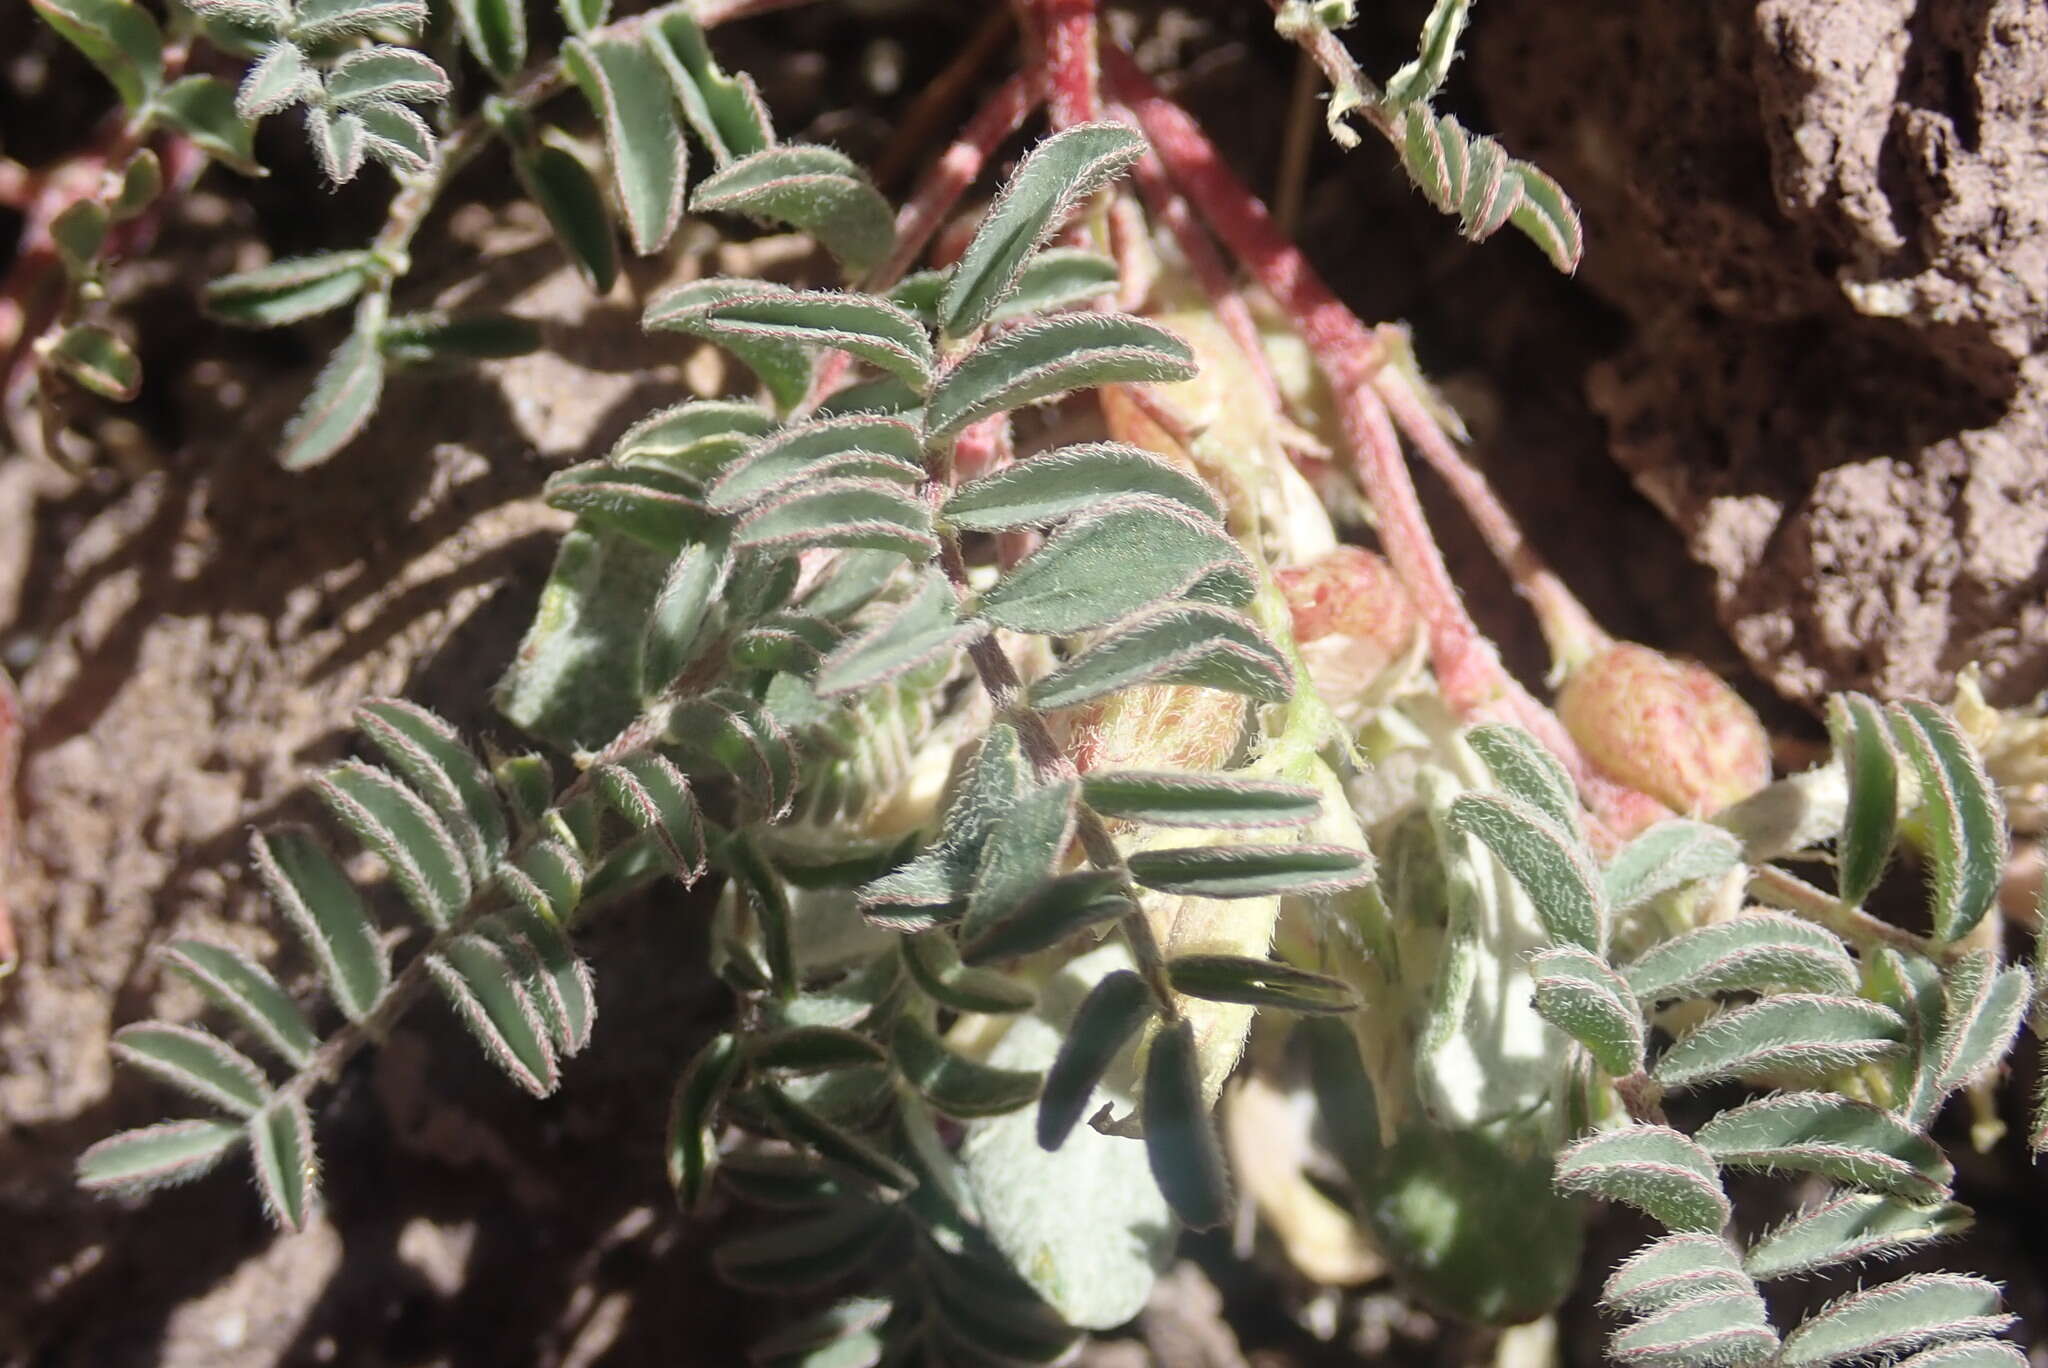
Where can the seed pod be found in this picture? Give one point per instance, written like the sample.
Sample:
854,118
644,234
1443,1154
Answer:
1670,728
1356,626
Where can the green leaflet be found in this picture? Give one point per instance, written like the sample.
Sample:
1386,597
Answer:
287,1169
694,438
1545,859
1024,846
328,914
1675,1268
1251,871
1058,174
1967,835
955,1085
1522,767
681,617
871,446
725,112
651,793
341,403
1870,765
1653,1169
754,314
246,989
427,751
795,1256
1848,1141
924,629
1668,856
1073,480
558,982
1259,983
1049,356
646,503
943,874
490,996
100,360
1895,1317
557,180
1848,1228
382,74
196,1063
935,967
1577,993
876,515
628,89
289,290
1718,1328
1129,556
1755,952
837,1146
1797,1035
1186,798
814,189
692,1148
203,109
158,1156
1052,911
1176,643
495,32
116,36
405,833
1185,1153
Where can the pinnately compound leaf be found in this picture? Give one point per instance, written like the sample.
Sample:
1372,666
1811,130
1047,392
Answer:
1522,767
1129,556
396,823
1798,1035
1848,1141
287,1169
1067,481
194,1062
692,1148
814,189
1259,983
1894,1318
629,91
1754,952
1577,993
487,993
329,915
926,628
340,405
1251,871
1545,859
1848,1228
1676,1268
1870,765
954,1084
1716,1330
1968,838
1180,1140
1050,356
1058,174
1652,1168
246,989
1177,643
1668,856
1190,798
157,1156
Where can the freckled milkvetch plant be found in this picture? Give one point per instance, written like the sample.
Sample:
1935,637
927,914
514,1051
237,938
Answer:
1041,765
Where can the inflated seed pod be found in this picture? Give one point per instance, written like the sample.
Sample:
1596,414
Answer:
1357,628
1670,728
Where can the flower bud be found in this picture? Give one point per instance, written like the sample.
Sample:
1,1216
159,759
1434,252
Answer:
1356,626
1670,728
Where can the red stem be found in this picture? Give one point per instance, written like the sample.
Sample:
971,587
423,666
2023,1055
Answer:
1068,35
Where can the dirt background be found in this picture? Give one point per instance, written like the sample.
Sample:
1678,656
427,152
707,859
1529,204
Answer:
1789,418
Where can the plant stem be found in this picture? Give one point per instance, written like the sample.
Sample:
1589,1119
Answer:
1781,889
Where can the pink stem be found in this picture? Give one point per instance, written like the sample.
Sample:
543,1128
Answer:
1067,33
1171,209
1571,631
1467,666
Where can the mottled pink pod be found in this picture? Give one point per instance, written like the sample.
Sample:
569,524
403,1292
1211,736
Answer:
1352,620
1670,728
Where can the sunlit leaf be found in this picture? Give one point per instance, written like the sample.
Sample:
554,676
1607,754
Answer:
1652,1168
629,91
1797,1035
1755,952
287,1168
1129,556
1895,1317
1049,356
158,1156
1180,1141
1848,1228
1176,643
329,915
194,1062
246,989
395,822
1668,856
1870,766
289,290
1545,859
341,404
1810,1132
1967,835
814,189
1577,993
1675,1268
1071,480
